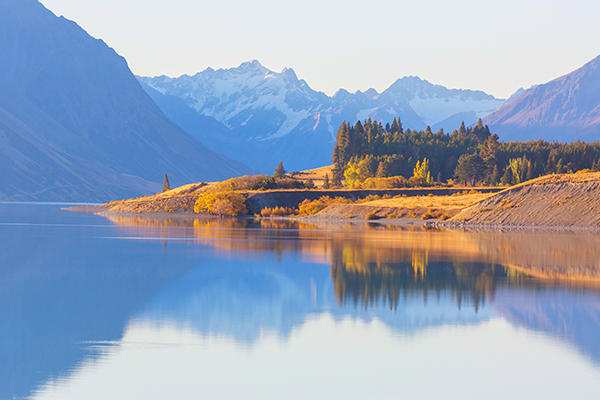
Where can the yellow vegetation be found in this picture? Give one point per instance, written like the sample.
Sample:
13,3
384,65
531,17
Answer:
221,203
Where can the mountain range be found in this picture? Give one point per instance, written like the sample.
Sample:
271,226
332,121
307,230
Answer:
280,117
76,125
565,109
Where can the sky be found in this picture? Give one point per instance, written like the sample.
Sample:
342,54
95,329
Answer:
496,46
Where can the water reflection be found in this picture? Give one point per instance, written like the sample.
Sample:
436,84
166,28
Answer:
78,297
562,258
545,281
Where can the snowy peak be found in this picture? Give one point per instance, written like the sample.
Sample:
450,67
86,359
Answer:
279,113
411,87
237,96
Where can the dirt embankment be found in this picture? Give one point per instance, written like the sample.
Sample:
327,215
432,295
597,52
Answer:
182,200
292,198
551,201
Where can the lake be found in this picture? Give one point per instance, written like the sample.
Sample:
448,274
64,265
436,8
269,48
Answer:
145,308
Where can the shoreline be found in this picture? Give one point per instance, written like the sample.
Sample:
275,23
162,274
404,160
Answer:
509,227
106,211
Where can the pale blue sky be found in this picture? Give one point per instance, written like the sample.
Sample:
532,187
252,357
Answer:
495,46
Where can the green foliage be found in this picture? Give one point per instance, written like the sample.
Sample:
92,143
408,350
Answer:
395,151
279,171
166,184
507,178
470,169
309,184
326,184
516,166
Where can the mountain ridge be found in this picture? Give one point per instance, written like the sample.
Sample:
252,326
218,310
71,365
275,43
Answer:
281,114
566,109
96,115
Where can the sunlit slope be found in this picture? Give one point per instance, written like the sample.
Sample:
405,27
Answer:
571,200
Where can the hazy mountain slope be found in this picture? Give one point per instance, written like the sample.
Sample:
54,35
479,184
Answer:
282,115
88,90
565,109
211,132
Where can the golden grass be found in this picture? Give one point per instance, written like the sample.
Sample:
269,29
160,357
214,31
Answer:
440,203
317,174
562,178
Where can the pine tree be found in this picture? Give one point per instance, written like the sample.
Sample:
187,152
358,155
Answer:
462,131
336,181
279,171
495,177
166,184
507,178
490,152
470,168
309,184
326,184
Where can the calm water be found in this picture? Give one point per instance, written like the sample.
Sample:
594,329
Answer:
133,308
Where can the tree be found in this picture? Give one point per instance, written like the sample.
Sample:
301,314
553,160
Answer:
421,175
495,177
470,168
221,203
489,153
309,184
326,184
462,131
516,166
279,171
507,178
166,184
336,181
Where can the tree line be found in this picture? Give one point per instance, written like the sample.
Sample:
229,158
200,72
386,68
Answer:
470,155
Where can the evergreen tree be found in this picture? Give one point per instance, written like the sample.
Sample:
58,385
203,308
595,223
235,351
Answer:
495,177
462,131
326,184
309,184
336,181
507,178
166,184
279,171
490,151
470,168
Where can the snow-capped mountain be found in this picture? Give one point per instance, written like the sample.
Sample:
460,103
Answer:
282,115
565,109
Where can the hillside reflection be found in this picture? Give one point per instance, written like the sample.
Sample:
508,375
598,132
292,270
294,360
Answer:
376,262
544,281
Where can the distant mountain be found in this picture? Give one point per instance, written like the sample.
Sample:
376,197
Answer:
282,116
565,109
76,125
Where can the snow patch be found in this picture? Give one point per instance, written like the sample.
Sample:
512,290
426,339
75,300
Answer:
364,114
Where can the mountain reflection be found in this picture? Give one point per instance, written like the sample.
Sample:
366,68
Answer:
555,258
67,280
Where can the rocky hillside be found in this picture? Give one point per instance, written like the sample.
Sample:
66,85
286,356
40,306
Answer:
565,109
550,201
76,125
